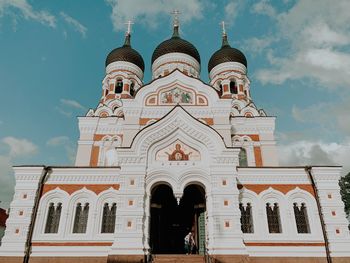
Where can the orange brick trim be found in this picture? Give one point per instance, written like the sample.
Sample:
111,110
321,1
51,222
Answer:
99,137
283,188
144,121
68,244
96,188
285,244
254,137
94,155
208,121
258,158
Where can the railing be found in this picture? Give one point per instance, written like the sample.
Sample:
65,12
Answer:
208,258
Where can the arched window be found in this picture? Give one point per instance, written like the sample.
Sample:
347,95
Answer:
81,218
53,218
243,161
233,87
106,92
132,89
273,218
118,86
301,218
108,218
220,90
246,218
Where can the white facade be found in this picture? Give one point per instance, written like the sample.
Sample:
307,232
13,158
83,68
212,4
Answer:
125,151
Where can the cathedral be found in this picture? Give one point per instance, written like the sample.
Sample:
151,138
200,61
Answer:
156,161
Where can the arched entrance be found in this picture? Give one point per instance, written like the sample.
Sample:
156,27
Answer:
171,222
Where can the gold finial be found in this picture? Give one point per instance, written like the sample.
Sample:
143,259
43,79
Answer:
129,24
176,14
223,28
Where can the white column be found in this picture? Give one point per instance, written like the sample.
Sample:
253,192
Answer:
21,208
332,208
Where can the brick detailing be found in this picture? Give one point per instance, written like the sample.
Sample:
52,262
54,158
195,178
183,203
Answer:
94,156
258,157
144,121
68,244
254,137
283,188
300,244
70,189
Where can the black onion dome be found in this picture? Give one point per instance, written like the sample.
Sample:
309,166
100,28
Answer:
126,53
176,45
226,54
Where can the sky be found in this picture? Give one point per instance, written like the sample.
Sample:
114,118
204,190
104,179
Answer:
52,56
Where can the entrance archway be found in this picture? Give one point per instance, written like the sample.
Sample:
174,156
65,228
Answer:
170,222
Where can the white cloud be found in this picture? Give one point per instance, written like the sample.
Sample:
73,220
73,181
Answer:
316,153
264,8
150,12
19,147
316,40
72,103
75,23
232,10
22,8
330,114
59,140
7,181
66,143
256,45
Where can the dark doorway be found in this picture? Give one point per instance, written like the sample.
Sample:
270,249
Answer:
171,222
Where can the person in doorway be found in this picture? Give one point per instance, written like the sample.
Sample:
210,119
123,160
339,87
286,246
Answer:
189,243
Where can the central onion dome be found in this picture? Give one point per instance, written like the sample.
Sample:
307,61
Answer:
176,45
226,54
126,53
175,53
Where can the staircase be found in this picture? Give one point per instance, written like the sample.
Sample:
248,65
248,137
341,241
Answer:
178,259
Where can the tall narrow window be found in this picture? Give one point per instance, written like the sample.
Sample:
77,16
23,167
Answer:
273,218
108,218
118,86
220,90
53,218
132,89
242,156
246,218
301,218
233,87
81,218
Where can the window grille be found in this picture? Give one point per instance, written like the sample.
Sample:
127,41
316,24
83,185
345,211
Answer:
301,218
81,218
242,156
273,218
233,87
246,218
118,86
53,218
108,218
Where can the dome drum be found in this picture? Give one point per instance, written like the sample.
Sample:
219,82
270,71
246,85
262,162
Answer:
169,62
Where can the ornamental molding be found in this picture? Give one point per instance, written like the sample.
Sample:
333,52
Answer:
179,124
124,66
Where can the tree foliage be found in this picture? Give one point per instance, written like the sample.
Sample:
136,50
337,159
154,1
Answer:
344,184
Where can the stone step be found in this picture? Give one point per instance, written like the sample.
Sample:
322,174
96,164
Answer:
178,259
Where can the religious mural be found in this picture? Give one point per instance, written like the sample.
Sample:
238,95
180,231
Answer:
175,96
178,151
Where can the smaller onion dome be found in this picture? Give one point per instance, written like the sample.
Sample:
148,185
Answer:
176,44
226,54
126,53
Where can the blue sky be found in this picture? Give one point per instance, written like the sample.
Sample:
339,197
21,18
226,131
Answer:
52,57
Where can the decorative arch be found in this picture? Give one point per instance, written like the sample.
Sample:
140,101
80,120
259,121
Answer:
179,122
